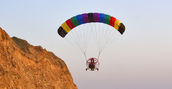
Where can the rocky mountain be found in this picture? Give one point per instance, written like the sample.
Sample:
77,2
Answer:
24,66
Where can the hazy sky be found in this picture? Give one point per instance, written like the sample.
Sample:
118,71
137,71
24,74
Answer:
140,59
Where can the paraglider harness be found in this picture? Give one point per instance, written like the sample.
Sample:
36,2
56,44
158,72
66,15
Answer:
92,64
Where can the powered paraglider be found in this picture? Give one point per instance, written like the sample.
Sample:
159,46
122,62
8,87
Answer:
93,29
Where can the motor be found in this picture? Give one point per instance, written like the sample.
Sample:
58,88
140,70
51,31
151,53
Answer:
92,64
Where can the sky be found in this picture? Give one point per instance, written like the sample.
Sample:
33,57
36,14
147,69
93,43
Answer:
140,59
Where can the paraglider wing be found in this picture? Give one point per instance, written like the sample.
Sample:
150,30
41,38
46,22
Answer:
73,22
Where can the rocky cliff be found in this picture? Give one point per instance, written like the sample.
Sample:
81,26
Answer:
24,66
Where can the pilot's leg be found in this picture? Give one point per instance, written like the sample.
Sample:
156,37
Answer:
97,69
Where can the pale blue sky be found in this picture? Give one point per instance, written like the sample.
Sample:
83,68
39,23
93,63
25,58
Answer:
140,59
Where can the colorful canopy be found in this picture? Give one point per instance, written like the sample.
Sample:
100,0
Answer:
68,25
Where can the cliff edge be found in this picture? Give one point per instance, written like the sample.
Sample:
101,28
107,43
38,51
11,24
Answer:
24,66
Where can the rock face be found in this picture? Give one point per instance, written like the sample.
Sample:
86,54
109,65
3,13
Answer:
23,66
